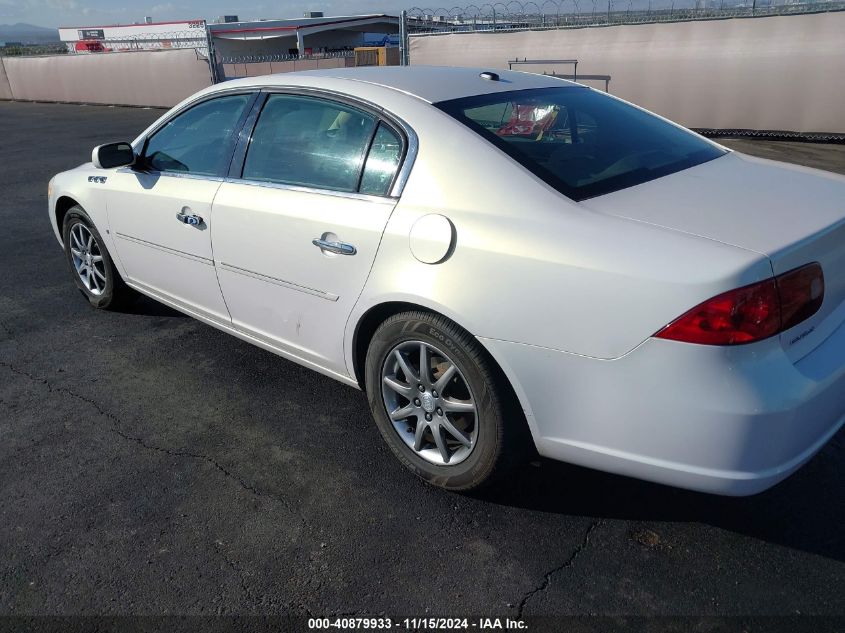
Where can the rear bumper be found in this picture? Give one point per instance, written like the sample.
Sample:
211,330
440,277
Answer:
724,420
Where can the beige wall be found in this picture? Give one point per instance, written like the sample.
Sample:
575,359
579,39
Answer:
772,73
5,88
146,78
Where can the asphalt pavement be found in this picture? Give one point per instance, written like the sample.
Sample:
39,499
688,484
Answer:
150,464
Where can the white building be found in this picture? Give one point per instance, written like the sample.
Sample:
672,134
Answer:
127,37
302,36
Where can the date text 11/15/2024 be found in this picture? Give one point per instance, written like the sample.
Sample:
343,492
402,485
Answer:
416,624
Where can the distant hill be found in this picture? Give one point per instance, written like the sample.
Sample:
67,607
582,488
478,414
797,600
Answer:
27,34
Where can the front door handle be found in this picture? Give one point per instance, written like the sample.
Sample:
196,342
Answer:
339,248
189,218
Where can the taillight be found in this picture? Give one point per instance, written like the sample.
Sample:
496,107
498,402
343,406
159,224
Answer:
801,294
752,313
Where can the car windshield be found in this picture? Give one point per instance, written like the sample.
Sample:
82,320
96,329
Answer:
581,141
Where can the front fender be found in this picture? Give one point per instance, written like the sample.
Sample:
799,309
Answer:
86,186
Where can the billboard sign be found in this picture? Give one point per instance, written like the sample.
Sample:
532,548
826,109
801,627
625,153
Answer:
92,34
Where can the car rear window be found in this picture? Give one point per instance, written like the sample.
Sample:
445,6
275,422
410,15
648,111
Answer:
581,141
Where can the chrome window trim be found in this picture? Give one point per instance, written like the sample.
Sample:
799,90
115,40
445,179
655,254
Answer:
351,195
408,163
171,174
410,138
400,179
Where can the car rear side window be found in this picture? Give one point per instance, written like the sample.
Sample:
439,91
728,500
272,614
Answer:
309,142
582,142
382,162
198,141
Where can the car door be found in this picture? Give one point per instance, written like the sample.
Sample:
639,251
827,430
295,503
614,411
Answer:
297,231
160,210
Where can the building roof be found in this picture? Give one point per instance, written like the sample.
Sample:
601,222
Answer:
429,83
280,28
135,25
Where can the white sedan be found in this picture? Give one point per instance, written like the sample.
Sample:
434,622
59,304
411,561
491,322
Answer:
503,262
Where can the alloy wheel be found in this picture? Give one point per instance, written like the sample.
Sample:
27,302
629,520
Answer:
88,259
429,403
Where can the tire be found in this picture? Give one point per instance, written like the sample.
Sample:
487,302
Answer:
496,430
105,289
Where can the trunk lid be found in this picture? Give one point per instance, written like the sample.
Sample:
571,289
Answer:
793,215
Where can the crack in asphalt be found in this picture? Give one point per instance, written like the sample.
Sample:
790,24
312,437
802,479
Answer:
141,442
547,578
235,567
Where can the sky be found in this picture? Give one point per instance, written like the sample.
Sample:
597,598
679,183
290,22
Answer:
54,13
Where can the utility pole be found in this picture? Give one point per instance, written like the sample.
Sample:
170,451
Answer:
212,55
404,57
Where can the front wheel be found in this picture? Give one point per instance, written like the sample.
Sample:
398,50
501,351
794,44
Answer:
439,403
90,263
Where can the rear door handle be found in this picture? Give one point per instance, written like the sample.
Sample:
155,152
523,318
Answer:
189,218
339,248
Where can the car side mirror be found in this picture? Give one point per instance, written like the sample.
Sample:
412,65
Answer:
113,155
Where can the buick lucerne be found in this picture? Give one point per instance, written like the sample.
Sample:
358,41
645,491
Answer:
504,262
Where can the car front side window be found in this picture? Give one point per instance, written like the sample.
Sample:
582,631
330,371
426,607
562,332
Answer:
199,140
309,142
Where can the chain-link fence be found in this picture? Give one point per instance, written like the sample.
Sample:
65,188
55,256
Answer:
283,57
554,14
32,50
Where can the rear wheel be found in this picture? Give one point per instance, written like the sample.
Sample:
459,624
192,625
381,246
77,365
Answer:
439,403
90,263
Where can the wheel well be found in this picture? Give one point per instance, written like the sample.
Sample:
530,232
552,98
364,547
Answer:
368,325
63,205
375,316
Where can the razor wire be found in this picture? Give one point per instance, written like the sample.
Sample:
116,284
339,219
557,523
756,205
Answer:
553,14
194,38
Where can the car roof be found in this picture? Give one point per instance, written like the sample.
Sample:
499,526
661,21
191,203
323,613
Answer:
429,83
